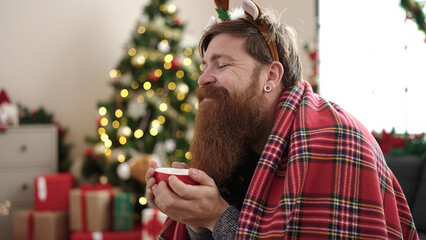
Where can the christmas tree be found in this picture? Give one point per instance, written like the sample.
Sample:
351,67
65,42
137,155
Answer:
151,112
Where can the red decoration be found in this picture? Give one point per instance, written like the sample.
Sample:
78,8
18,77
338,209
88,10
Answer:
108,235
4,98
153,226
389,141
177,21
152,77
51,192
176,64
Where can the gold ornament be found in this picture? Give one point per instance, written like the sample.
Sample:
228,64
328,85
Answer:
139,166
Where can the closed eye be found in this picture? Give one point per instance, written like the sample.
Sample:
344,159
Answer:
222,66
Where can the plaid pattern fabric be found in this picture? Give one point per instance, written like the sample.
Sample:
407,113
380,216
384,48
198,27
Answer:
321,176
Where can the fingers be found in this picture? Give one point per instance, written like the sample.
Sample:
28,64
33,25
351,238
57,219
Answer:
179,165
201,177
149,175
181,189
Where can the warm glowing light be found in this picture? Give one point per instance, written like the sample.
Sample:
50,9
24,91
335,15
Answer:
196,105
168,58
185,107
143,201
138,60
114,73
118,113
121,158
124,93
147,85
155,123
122,140
150,93
188,155
153,131
171,8
187,61
104,137
132,52
163,107
115,124
108,152
180,74
138,133
101,130
135,85
102,111
167,65
127,131
180,96
141,29
140,99
104,122
201,67
171,86
161,119
188,51
163,7
108,143
179,134
158,72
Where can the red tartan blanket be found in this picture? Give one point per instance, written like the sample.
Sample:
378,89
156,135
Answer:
321,176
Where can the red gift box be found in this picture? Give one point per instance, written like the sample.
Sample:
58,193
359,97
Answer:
109,235
51,192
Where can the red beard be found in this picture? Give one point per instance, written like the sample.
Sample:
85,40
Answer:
225,126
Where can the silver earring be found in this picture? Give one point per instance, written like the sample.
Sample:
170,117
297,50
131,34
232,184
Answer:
267,88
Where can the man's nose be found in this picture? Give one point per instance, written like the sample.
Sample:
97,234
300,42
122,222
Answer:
206,79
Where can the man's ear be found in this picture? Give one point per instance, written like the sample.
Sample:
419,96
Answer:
275,74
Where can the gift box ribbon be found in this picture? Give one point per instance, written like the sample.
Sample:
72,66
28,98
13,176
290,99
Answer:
94,187
30,225
153,226
41,188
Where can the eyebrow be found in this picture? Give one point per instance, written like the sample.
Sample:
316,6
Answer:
217,56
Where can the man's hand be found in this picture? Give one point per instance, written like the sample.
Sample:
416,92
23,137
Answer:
199,206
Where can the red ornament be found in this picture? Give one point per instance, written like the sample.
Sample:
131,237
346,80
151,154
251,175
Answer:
152,77
176,64
178,21
88,152
4,98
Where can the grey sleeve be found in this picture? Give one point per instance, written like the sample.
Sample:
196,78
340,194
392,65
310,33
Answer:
225,228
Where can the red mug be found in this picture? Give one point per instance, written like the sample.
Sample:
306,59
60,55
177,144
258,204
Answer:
163,174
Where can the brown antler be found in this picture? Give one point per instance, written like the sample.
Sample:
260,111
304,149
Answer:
222,4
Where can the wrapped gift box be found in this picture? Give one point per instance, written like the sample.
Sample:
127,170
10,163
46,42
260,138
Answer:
152,222
109,235
91,208
45,225
52,192
124,205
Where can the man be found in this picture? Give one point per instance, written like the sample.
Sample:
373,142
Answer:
272,158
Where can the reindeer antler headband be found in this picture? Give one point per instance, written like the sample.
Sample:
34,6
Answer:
254,16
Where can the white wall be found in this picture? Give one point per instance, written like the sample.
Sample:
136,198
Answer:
58,54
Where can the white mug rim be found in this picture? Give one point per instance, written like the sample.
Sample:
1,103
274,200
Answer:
172,171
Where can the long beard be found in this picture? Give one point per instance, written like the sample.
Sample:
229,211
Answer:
224,129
